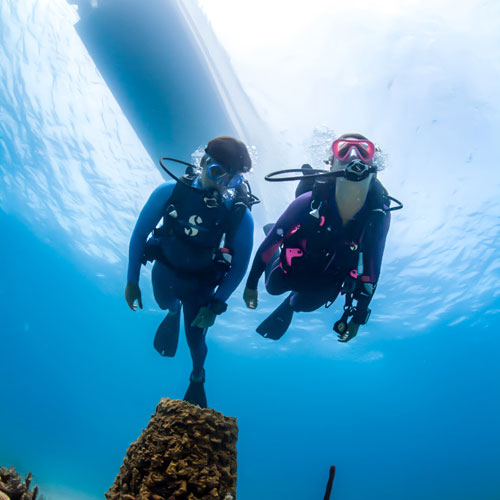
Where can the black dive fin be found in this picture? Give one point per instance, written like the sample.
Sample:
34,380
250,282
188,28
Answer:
196,394
167,335
267,228
277,323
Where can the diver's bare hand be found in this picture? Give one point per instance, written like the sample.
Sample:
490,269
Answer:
251,298
350,333
132,294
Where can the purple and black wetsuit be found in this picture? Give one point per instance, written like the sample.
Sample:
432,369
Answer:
315,274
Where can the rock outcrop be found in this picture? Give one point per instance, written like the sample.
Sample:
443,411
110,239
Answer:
12,487
185,453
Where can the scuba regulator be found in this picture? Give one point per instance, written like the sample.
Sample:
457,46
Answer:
357,171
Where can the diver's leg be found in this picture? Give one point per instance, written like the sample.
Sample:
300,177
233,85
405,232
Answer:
276,279
167,335
163,280
195,336
194,294
308,301
277,323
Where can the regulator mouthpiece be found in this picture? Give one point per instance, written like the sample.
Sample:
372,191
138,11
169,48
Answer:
357,171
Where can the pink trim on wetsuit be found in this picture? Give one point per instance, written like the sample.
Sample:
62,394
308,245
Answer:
291,253
267,255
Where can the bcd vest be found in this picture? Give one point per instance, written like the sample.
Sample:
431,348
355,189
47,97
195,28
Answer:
322,247
194,224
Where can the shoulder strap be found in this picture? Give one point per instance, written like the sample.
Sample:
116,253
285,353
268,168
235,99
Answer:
320,192
234,218
181,186
320,196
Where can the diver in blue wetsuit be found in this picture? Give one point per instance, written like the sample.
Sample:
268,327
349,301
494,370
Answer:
200,252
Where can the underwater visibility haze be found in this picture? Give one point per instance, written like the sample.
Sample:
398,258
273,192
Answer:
89,100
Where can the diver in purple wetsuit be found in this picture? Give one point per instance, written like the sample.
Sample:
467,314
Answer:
330,240
201,251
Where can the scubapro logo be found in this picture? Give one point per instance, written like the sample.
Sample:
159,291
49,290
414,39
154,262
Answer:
194,220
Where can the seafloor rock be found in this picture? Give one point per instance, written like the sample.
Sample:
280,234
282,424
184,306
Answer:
12,487
185,453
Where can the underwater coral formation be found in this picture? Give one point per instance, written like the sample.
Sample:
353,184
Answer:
185,453
12,487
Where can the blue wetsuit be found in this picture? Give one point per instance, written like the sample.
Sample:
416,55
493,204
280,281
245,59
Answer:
169,288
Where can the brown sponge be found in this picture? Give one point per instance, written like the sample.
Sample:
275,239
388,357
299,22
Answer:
185,452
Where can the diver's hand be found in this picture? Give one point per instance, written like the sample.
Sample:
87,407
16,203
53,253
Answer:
133,293
350,333
205,318
251,298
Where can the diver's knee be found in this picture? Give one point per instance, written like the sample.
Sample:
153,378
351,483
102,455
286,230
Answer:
162,302
276,287
300,304
169,302
274,291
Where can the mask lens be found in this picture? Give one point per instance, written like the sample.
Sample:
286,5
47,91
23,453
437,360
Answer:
342,147
215,171
364,150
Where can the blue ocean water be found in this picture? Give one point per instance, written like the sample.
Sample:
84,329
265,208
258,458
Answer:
410,409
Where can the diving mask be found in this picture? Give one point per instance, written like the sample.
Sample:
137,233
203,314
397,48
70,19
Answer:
220,174
342,148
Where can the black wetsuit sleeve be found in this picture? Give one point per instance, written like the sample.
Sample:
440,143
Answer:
241,247
149,217
373,245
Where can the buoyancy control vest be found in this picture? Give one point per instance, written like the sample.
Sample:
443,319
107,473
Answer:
195,222
322,246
